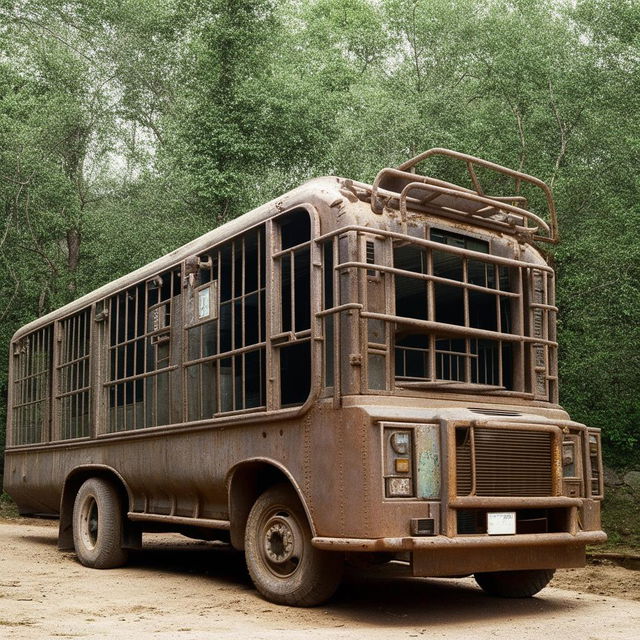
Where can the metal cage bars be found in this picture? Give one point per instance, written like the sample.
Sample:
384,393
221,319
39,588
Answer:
531,301
31,383
247,334
73,381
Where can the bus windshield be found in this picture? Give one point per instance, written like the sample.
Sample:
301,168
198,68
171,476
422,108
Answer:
451,311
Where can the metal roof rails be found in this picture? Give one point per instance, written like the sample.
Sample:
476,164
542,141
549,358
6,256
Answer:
403,188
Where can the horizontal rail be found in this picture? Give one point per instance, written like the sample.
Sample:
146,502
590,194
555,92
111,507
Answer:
426,276
454,329
432,244
343,307
194,522
140,376
475,502
408,543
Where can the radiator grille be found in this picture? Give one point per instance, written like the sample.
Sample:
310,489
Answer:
508,462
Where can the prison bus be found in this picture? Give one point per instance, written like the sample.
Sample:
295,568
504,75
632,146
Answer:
350,371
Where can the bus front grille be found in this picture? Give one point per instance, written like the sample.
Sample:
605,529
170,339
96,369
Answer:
506,462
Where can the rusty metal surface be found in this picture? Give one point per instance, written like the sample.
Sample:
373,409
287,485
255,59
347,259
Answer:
178,471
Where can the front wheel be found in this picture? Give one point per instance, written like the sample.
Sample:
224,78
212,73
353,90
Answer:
282,562
97,525
514,584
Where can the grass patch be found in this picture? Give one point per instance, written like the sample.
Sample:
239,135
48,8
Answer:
621,519
8,508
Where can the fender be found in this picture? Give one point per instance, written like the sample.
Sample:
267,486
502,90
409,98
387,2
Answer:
241,497
72,483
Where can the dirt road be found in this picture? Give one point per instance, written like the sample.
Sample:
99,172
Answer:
177,588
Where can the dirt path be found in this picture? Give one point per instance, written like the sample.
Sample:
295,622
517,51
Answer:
176,588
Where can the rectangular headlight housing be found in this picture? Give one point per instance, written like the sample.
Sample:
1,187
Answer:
398,451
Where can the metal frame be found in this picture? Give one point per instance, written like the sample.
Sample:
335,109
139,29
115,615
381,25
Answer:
72,381
467,203
30,388
532,307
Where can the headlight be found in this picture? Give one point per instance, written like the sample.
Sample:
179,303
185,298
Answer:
398,453
568,459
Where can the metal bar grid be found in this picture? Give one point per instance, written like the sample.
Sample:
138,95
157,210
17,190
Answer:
138,381
290,325
31,387
524,321
238,268
73,389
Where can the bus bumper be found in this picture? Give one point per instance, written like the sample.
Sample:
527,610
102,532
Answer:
442,556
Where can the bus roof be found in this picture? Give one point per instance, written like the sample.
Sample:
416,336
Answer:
324,188
397,188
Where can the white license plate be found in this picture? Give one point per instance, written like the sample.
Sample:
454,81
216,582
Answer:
501,524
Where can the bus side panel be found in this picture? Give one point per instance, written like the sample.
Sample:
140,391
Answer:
332,455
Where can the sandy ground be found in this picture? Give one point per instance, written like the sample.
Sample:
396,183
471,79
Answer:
178,588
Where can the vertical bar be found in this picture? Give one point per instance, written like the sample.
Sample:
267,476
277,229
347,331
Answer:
116,367
272,318
521,332
467,321
431,315
292,292
337,369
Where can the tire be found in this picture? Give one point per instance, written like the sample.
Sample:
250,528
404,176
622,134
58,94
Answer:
514,584
283,564
97,525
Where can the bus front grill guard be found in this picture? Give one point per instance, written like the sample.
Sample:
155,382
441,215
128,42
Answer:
469,542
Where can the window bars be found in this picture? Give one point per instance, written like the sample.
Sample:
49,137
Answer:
226,337
292,321
141,388
445,314
31,387
73,394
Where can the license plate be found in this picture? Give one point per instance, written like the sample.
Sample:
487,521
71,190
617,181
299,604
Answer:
501,524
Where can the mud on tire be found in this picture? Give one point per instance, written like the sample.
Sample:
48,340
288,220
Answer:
514,584
97,525
283,564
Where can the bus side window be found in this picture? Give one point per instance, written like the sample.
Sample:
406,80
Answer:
73,395
143,389
293,326
226,352
31,375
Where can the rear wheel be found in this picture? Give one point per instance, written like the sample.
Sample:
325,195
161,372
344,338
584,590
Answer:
97,525
514,584
283,564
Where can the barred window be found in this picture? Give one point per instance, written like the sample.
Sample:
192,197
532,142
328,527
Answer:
226,341
73,397
462,291
141,385
293,331
31,387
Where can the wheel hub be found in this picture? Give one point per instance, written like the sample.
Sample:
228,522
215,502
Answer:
279,542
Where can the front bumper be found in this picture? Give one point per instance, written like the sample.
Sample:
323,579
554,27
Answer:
461,555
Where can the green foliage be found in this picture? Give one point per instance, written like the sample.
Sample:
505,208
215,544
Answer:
128,127
621,517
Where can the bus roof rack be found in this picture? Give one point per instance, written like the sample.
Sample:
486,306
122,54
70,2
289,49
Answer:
403,188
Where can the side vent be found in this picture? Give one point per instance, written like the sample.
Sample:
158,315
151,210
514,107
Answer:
494,412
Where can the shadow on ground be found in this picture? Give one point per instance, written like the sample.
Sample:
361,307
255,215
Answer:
383,596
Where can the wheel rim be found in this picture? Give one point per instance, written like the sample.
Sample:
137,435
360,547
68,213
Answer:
89,522
281,542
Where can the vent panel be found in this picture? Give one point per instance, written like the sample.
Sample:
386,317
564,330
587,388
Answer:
508,463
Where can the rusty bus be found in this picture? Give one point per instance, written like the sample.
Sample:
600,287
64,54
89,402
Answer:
350,371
